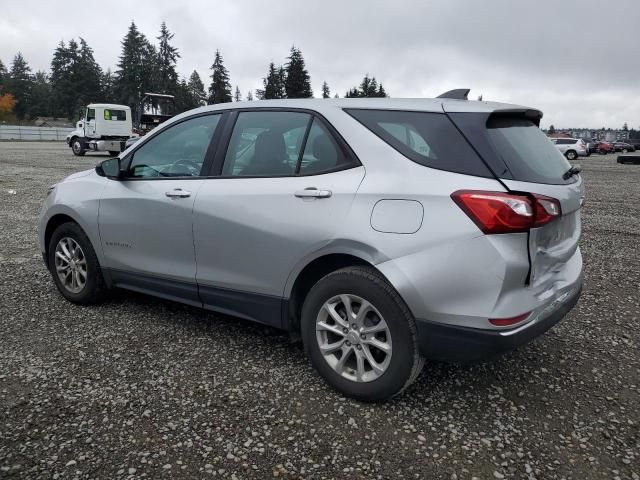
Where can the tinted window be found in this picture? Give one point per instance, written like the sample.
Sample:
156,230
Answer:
115,115
321,153
178,151
265,144
429,139
526,149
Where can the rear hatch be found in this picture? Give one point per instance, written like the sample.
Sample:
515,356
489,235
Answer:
522,157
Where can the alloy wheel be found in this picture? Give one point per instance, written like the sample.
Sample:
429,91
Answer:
71,265
353,338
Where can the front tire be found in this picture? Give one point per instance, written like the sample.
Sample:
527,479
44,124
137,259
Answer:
571,155
77,147
74,265
360,335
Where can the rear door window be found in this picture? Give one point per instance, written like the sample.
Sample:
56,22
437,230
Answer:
429,139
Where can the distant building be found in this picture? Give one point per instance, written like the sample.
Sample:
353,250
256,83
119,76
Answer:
606,135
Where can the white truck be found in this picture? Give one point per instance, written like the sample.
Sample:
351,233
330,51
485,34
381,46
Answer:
105,127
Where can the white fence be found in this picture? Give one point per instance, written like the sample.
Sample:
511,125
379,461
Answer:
15,132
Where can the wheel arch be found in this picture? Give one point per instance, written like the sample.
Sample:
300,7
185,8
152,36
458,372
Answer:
308,274
54,222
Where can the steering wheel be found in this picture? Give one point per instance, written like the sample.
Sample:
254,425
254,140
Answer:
192,167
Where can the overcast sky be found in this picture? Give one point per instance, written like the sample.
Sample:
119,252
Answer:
576,60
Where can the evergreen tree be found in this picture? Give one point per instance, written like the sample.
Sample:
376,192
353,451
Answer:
237,97
274,84
336,96
326,93
249,96
297,82
3,73
87,76
167,58
137,69
196,90
551,130
107,87
184,100
368,88
41,96
220,88
625,127
20,85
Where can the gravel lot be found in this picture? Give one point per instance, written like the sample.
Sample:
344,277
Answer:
139,387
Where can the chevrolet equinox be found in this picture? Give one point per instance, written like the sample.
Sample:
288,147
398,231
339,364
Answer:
382,231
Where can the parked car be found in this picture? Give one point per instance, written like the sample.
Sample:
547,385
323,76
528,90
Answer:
382,231
604,148
571,148
635,142
623,147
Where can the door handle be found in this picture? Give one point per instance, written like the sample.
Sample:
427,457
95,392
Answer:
177,193
312,192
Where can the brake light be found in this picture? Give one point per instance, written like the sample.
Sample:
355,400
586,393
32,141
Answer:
499,212
507,322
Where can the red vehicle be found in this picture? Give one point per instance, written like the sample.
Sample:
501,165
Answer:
604,148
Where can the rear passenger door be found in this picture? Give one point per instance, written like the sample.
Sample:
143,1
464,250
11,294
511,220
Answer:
280,193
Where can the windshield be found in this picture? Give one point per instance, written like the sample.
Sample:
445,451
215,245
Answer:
527,151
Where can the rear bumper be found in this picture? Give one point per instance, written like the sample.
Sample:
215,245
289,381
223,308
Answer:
451,343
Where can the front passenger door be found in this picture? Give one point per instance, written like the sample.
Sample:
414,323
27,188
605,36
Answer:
145,219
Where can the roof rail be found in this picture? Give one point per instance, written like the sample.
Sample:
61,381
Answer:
456,94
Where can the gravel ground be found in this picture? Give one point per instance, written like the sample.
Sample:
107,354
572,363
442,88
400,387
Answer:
139,387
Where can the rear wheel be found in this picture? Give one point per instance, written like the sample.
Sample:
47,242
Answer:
74,265
77,147
360,335
571,155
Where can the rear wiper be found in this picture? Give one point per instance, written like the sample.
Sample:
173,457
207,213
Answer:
571,172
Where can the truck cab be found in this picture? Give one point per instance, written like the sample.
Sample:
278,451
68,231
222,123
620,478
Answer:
102,127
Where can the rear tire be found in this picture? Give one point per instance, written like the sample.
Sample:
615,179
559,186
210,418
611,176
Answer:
70,254
384,339
77,147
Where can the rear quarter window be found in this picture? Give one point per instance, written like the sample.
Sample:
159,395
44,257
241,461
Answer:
427,138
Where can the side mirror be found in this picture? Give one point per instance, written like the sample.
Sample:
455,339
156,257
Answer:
109,168
80,125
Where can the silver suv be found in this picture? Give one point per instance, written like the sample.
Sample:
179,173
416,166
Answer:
571,148
382,231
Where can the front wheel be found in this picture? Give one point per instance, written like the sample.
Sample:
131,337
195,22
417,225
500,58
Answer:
77,147
74,265
571,155
360,335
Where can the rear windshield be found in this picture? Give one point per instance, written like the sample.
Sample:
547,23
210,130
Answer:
429,139
526,150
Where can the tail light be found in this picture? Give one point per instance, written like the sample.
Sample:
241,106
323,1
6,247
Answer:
507,322
499,212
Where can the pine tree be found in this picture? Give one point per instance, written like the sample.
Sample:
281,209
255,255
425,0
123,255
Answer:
167,58
237,97
220,88
196,90
20,85
137,69
40,96
274,84
107,82
3,73
249,96
183,99
326,93
368,88
552,130
625,127
87,76
297,82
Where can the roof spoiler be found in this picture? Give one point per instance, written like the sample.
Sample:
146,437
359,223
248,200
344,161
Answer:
456,94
